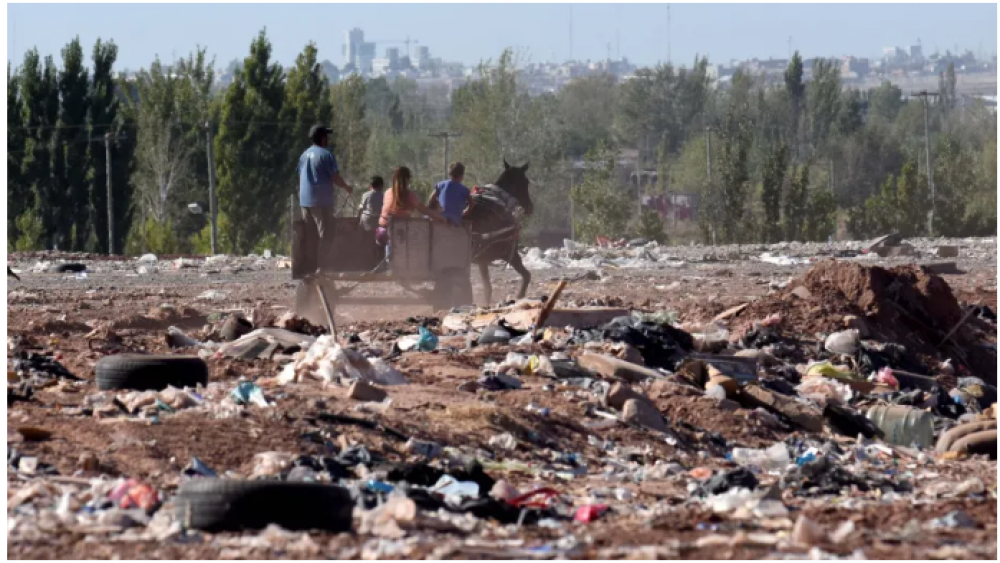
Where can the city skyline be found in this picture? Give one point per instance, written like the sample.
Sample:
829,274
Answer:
600,31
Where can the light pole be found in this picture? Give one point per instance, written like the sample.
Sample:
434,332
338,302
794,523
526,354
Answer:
927,148
447,145
213,211
107,139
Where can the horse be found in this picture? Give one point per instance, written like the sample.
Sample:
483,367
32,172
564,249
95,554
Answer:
494,226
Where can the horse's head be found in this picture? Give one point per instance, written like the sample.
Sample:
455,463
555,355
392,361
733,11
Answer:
514,180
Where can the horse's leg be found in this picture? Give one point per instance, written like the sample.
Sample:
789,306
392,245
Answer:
515,262
484,274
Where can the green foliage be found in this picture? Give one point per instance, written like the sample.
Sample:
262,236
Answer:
350,130
821,215
306,102
772,180
251,151
796,204
601,207
861,143
824,100
161,238
70,150
105,117
201,241
663,103
32,232
17,191
650,226
885,102
583,110
914,202
732,223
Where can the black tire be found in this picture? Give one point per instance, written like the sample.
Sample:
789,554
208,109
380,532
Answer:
218,505
141,373
70,268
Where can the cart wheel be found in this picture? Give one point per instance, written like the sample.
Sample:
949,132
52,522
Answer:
453,288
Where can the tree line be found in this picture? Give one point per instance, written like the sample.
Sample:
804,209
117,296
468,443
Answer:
804,160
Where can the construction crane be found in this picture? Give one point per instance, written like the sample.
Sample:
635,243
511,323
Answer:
406,42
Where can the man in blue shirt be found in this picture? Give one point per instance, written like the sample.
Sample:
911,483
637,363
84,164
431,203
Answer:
318,173
451,195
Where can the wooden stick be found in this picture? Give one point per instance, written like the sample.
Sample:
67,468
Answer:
326,309
957,326
543,315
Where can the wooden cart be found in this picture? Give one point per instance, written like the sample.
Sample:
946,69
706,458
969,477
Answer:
422,253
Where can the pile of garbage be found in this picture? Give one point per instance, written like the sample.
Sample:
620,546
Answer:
646,254
768,427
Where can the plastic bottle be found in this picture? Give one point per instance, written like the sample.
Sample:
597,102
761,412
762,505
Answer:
904,426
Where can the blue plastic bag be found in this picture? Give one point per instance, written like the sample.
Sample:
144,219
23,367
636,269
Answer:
428,342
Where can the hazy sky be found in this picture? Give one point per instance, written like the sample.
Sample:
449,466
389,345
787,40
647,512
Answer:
469,33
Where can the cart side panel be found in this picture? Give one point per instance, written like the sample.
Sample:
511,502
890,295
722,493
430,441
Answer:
451,248
410,241
422,249
354,249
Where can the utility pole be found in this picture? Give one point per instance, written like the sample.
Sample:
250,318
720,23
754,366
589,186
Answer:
107,138
572,205
447,136
571,32
711,194
111,214
669,59
213,208
927,148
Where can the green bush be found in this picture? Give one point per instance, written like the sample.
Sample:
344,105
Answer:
29,224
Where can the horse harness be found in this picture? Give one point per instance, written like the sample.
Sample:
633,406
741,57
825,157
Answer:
496,195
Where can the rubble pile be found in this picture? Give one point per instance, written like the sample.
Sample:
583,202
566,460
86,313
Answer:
847,412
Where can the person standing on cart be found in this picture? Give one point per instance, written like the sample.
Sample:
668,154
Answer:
318,174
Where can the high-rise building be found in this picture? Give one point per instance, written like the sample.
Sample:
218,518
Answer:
366,54
423,59
354,39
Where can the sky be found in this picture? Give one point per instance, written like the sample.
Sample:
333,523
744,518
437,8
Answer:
470,33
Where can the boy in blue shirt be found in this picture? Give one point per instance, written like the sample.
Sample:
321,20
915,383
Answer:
451,196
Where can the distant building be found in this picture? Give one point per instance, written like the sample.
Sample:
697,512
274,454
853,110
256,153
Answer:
354,39
423,58
854,67
357,52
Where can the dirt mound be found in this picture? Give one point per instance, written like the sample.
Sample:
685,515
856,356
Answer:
905,305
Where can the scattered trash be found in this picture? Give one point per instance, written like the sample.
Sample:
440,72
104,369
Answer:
844,342
904,426
247,393
428,342
197,468
774,458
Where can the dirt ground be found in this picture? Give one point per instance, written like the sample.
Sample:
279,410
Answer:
653,518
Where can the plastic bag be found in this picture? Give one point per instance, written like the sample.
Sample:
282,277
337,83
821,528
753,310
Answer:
246,393
823,391
884,377
385,374
827,369
428,341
